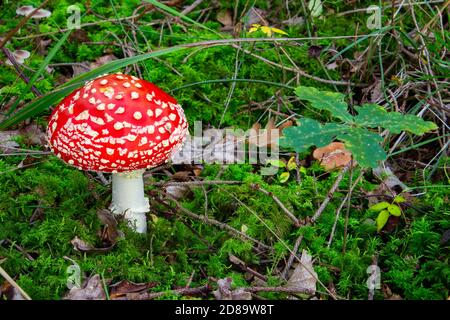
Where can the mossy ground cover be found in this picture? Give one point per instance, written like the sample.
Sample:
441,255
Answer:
44,203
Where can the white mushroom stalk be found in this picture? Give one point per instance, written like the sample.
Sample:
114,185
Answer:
128,198
122,125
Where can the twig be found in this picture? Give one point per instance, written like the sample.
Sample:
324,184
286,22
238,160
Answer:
191,7
195,183
347,213
330,194
290,290
220,225
338,211
11,281
278,201
291,257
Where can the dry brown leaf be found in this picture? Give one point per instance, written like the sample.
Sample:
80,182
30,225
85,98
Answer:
125,287
269,136
9,292
333,156
224,291
304,278
225,18
83,246
110,233
91,290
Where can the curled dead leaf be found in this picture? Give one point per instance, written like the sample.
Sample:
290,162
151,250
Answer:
333,156
91,290
224,291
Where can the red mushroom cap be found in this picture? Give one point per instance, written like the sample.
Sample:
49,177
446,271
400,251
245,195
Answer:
117,123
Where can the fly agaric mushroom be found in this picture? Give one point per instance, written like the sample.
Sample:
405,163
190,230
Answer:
119,124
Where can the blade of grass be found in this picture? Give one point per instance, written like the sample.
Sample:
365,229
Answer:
181,16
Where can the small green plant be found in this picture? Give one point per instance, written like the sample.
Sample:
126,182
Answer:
364,144
289,166
387,209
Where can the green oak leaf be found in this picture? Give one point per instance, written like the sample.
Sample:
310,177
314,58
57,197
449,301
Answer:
364,145
324,100
372,116
309,133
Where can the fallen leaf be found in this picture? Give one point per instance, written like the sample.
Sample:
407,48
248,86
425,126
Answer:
125,287
254,16
83,246
9,292
110,233
304,278
225,18
333,156
269,136
224,291
91,290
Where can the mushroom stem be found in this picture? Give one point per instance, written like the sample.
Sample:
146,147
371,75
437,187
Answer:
128,198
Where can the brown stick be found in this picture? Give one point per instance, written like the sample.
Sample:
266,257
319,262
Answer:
220,225
19,71
330,194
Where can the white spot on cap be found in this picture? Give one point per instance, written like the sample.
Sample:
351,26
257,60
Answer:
101,106
118,125
161,129
137,115
54,126
119,96
98,121
151,129
134,95
126,84
119,77
172,117
108,118
131,137
110,151
149,97
70,109
103,82
111,106
138,85
120,110
85,95
105,131
70,161
104,161
143,140
93,90
158,112
92,100
150,113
